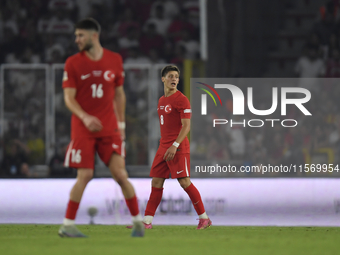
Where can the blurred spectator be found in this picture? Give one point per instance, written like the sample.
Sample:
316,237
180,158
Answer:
150,39
199,149
216,151
333,41
32,39
237,143
56,164
331,7
319,138
15,162
171,8
159,20
180,53
97,12
325,28
333,64
178,25
193,10
9,21
310,66
276,148
135,57
191,46
53,47
36,145
126,20
130,40
60,24
141,8
29,57
154,57
11,48
61,4
168,52
43,22
136,78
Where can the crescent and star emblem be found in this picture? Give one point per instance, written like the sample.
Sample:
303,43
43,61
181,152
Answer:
109,75
167,108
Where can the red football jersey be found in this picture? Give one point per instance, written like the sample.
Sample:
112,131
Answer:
170,111
95,82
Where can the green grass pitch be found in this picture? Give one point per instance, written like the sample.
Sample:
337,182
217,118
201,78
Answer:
115,240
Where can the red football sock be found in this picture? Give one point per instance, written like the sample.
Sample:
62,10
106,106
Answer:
195,198
154,201
71,211
132,204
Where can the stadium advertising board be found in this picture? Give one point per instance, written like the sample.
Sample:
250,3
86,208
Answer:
282,202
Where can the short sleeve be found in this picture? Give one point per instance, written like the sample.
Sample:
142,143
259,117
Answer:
184,108
69,76
120,75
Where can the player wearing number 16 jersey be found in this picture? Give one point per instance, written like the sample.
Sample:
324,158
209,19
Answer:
173,155
93,92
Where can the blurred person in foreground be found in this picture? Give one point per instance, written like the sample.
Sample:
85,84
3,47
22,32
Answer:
173,154
93,92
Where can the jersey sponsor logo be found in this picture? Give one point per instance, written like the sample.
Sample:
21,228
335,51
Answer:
97,73
178,172
65,76
187,111
109,75
115,146
161,107
85,76
168,108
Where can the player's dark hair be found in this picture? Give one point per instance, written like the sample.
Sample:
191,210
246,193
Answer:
88,24
169,68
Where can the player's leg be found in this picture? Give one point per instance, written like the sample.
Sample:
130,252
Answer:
119,173
159,172
112,152
154,200
68,228
180,169
197,202
80,155
84,176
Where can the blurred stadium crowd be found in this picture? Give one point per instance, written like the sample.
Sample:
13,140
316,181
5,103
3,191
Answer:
142,31
33,31
321,52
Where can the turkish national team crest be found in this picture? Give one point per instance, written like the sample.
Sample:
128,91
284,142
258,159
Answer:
109,75
168,108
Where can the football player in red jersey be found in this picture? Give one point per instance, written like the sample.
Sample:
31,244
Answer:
173,154
93,92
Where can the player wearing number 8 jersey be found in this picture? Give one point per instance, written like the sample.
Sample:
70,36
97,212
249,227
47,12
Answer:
93,92
173,154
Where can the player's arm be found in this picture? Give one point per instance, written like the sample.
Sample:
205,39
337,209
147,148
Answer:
170,153
119,105
92,123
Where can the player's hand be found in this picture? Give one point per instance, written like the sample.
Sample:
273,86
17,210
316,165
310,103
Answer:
170,153
92,123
